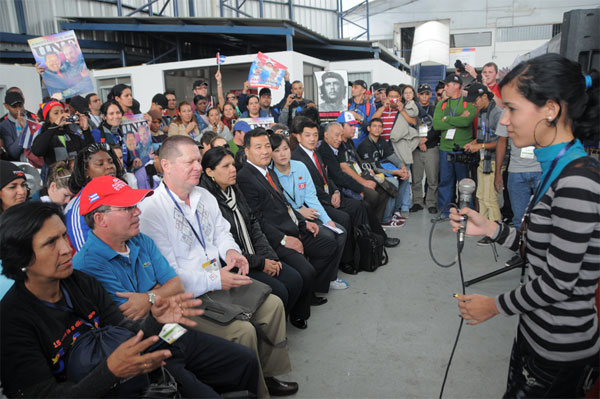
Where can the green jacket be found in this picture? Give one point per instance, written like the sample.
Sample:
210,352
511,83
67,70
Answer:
462,124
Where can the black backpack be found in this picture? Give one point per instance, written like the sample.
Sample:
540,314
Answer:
369,252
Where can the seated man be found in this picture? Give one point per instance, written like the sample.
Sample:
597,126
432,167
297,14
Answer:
329,151
288,232
237,142
187,226
380,155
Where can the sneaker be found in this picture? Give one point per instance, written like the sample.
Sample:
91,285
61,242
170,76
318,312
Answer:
398,216
514,261
484,241
394,223
432,209
338,284
415,208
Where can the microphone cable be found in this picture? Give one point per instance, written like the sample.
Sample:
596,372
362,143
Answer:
459,246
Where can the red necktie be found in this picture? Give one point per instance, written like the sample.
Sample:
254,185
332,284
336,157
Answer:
271,182
319,166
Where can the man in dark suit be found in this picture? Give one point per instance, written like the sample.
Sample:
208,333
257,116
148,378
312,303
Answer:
336,176
290,235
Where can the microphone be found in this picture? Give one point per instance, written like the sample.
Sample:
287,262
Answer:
466,187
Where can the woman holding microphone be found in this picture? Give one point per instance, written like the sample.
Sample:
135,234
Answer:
550,104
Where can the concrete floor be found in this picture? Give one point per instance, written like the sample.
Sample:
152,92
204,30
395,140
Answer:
391,333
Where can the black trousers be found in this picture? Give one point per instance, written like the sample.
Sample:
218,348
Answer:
343,218
377,200
300,264
204,364
287,285
322,252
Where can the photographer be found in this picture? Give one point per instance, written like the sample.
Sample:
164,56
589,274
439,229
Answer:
57,142
485,144
454,118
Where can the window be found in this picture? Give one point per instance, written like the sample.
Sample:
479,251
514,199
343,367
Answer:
475,39
366,76
531,32
105,84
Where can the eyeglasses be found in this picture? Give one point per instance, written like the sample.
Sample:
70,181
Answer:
439,93
129,209
231,98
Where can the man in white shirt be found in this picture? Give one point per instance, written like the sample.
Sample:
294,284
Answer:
187,226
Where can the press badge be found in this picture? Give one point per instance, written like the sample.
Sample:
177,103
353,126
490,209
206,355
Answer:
422,130
527,152
211,265
326,188
481,154
357,168
450,134
292,215
171,332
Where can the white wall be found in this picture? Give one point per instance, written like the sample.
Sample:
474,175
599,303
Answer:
27,79
380,71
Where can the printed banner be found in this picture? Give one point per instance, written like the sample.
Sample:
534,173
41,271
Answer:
258,122
332,90
65,73
137,136
266,72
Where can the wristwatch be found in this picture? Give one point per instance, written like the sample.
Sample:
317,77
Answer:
151,297
283,241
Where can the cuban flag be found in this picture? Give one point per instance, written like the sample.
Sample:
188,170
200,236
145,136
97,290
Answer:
220,59
93,197
31,131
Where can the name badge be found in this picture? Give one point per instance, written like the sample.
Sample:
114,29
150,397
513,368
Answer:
326,188
527,152
357,168
450,134
292,215
422,130
171,332
211,265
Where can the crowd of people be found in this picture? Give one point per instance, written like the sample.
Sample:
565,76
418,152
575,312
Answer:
221,205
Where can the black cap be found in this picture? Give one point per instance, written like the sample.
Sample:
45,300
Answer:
80,104
424,87
199,83
453,78
265,91
9,172
375,86
161,100
12,98
476,90
360,83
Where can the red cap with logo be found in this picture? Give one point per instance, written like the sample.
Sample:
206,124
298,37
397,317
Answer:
111,191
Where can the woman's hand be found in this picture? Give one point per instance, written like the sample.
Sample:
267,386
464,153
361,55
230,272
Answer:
476,308
176,309
477,225
126,360
272,267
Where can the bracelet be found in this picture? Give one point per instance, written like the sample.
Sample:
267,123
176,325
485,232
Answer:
483,146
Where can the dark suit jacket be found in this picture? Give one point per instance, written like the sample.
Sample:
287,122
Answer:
300,155
338,176
269,206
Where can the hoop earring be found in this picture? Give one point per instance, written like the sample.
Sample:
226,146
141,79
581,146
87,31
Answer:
535,129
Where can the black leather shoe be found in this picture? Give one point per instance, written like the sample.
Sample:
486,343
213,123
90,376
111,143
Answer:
299,323
391,242
317,300
348,268
280,388
415,208
432,209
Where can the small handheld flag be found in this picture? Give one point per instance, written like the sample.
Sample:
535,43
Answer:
220,60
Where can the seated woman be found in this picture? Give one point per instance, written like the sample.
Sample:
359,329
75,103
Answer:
13,185
95,160
184,124
219,178
51,306
56,141
56,188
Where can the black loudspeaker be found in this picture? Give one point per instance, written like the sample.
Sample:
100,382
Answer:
580,38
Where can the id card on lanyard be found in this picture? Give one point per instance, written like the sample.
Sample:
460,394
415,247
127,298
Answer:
451,132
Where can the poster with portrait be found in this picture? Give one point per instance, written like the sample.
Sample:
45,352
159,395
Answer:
64,71
266,72
332,91
137,136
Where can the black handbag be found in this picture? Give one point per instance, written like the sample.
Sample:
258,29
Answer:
369,252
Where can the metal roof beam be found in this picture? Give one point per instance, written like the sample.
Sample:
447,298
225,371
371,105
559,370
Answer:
7,37
232,30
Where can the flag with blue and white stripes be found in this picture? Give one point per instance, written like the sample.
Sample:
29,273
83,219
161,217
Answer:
220,59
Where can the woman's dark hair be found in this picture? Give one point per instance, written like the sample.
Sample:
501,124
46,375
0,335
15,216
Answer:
252,96
18,225
78,178
117,90
408,87
104,107
554,77
213,157
276,140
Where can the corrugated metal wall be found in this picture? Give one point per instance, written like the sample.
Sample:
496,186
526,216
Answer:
40,15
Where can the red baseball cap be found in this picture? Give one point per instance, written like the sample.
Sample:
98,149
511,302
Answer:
111,191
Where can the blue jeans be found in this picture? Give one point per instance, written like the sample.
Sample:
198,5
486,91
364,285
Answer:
521,186
450,173
399,203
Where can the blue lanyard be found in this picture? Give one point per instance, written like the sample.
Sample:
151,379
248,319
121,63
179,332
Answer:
68,308
199,237
453,111
543,183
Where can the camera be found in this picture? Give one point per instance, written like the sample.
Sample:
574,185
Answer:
394,100
460,67
72,118
460,156
294,96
